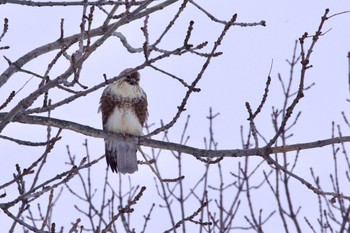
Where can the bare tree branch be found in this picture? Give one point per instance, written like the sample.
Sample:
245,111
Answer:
143,141
100,31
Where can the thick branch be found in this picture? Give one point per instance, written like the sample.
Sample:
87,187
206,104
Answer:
15,66
65,3
97,133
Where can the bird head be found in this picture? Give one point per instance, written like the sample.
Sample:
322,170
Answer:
133,78
127,86
130,76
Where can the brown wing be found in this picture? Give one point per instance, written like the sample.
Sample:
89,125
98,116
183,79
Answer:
107,105
140,108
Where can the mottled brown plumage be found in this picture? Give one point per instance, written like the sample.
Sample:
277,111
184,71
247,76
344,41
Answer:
124,110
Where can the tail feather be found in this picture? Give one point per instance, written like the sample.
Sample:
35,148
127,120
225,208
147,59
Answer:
121,156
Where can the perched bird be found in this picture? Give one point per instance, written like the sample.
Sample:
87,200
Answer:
124,110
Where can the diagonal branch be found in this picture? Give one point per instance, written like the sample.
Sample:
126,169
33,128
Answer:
305,60
192,88
62,3
102,30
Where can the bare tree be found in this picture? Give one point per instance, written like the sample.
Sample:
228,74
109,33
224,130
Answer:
222,197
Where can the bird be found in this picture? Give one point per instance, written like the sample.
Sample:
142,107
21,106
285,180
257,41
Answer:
124,109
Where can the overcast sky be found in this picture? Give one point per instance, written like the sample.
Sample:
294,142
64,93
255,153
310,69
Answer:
239,75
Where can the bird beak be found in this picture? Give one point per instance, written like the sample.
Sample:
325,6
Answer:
132,81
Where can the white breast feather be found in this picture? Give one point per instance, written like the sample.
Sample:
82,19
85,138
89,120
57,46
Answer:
124,121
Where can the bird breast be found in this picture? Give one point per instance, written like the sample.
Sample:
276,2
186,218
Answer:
125,121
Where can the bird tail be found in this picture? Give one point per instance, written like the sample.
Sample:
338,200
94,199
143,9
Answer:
121,156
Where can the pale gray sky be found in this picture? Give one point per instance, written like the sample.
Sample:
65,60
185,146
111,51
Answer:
239,75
